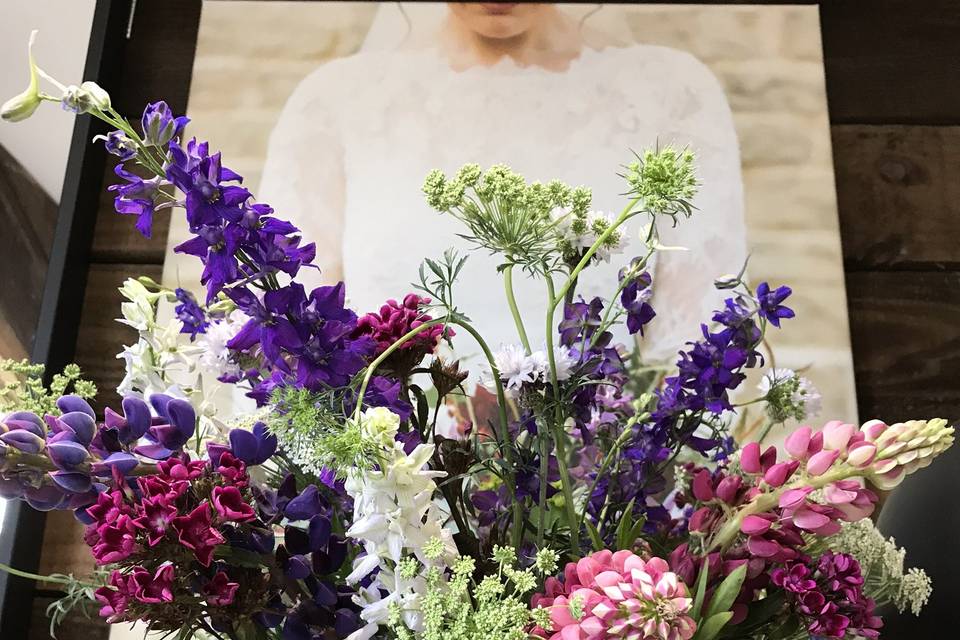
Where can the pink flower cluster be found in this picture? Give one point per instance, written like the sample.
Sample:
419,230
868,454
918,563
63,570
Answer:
165,510
395,320
616,595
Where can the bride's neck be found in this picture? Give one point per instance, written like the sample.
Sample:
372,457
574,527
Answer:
552,43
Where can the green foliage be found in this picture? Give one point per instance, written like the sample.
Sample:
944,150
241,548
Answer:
78,596
312,431
718,613
26,392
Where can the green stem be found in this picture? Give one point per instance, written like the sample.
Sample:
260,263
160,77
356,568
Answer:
53,579
514,310
372,367
765,432
621,439
557,427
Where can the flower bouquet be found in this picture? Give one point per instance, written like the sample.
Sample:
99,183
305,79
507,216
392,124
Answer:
603,500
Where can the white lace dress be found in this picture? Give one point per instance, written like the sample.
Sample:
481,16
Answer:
355,140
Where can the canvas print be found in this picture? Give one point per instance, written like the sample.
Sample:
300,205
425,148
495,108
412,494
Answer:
337,110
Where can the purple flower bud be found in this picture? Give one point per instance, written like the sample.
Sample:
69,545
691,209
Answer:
159,124
72,481
324,594
28,416
46,497
182,416
214,451
124,463
136,417
298,567
10,488
319,529
304,506
81,424
346,622
66,454
243,444
12,424
23,440
66,404
262,540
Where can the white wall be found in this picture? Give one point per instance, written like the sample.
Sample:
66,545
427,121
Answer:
42,142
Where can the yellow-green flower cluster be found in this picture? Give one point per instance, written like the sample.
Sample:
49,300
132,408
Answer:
665,180
22,389
506,215
496,608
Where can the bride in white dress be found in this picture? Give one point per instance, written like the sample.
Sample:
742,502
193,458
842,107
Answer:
524,85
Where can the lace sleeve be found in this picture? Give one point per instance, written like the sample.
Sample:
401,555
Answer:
697,116
303,174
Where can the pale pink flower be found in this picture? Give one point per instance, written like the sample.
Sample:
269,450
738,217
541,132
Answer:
617,595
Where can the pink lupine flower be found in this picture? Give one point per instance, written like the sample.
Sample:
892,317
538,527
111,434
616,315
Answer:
617,595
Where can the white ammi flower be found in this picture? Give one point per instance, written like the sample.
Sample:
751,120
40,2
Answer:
789,394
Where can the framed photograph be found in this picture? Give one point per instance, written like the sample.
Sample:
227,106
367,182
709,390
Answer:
343,108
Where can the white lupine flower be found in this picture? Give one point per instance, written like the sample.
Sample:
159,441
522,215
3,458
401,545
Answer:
394,517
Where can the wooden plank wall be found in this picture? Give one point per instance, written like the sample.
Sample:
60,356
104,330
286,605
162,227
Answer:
27,218
894,93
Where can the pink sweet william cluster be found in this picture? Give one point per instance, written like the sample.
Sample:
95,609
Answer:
161,525
395,320
616,595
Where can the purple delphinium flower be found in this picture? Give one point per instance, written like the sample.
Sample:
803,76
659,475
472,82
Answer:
771,306
159,124
190,314
635,297
137,197
117,143
210,199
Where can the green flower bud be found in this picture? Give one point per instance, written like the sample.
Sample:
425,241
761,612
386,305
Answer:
22,106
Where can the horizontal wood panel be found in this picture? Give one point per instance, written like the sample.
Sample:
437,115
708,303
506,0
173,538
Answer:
906,344
892,61
101,336
898,192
